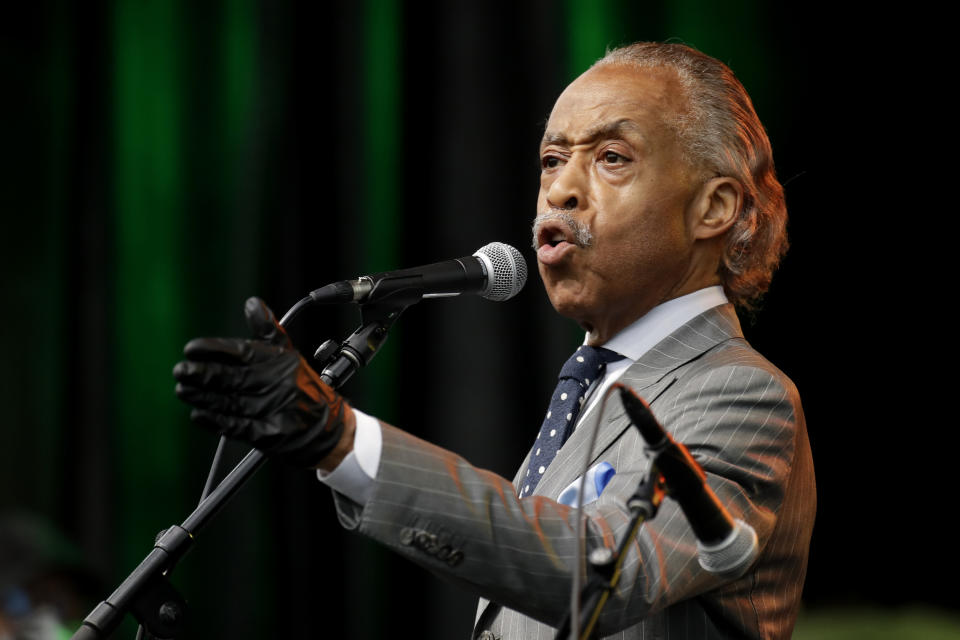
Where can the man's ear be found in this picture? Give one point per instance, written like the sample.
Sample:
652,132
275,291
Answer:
717,207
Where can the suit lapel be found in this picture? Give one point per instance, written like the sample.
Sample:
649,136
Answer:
649,377
687,343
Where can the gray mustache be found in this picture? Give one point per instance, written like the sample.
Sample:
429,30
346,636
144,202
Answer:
581,233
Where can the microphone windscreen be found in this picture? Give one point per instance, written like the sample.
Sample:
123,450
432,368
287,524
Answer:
506,271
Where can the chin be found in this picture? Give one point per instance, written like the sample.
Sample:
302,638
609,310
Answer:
570,296
570,306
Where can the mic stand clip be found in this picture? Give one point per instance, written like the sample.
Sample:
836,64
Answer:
340,361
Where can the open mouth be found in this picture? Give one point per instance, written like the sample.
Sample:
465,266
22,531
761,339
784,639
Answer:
556,240
554,243
556,229
552,235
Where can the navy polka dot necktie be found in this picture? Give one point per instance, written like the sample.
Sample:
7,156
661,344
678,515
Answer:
585,366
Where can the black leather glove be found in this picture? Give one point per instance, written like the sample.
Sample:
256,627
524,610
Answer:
261,391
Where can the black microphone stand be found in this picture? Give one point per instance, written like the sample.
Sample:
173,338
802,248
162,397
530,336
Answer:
147,592
604,565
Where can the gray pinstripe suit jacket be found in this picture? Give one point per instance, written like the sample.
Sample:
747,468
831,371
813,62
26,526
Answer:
741,419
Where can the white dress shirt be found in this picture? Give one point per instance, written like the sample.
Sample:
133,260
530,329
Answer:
355,475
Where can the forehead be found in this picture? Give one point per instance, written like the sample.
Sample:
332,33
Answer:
644,98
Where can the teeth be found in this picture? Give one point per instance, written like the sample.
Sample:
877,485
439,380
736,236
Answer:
557,237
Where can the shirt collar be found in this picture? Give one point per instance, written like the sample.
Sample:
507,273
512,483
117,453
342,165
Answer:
640,336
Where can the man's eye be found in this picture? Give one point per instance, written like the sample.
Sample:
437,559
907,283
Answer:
549,162
612,157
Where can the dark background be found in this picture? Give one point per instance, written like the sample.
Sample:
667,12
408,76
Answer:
165,160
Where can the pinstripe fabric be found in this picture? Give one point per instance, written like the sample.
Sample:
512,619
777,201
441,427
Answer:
741,419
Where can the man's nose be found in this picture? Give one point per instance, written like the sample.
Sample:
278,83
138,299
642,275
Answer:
568,189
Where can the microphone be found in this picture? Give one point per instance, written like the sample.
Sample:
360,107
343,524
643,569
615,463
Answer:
725,546
496,272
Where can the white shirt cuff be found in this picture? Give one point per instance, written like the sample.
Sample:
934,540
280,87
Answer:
355,475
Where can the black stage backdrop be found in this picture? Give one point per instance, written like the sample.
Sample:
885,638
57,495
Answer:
165,160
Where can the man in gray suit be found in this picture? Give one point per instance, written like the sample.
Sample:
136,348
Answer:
658,208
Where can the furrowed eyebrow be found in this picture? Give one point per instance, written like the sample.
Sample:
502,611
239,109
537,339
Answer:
600,132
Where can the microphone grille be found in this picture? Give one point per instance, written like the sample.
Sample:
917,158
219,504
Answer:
506,271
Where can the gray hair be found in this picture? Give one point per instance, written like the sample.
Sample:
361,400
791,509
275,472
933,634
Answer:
721,133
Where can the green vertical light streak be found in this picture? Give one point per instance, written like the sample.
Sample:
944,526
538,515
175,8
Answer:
149,336
239,74
382,105
381,217
733,32
590,29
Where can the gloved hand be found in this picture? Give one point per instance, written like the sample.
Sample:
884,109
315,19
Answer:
262,391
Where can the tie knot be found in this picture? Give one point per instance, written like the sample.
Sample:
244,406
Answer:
588,363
